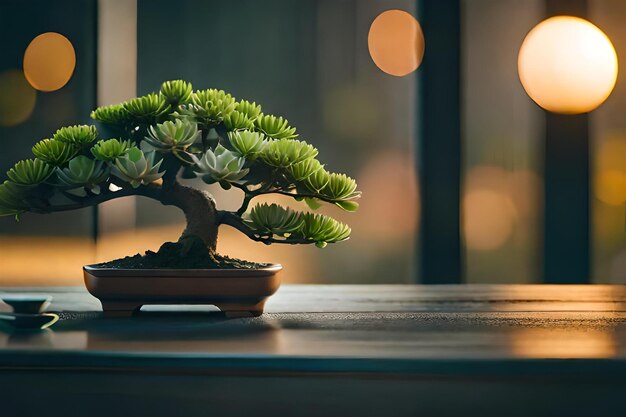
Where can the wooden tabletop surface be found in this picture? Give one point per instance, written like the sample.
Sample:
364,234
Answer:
522,329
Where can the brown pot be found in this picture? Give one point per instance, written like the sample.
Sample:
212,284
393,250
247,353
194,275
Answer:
237,292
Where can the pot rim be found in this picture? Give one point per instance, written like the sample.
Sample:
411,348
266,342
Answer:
271,269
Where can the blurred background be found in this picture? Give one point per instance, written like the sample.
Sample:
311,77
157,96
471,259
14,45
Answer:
309,61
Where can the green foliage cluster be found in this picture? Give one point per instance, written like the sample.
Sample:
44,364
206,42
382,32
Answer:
111,149
147,142
112,115
169,136
137,168
220,165
148,109
30,172
54,152
78,136
274,220
82,174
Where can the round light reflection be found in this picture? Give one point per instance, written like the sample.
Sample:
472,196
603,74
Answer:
396,42
17,98
49,61
567,65
489,219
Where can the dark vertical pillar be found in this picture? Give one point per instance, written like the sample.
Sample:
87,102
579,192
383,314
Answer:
566,175
439,149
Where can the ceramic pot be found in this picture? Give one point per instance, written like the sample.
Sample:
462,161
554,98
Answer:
236,292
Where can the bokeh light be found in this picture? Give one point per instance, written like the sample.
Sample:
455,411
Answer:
567,65
489,218
396,42
609,191
17,98
610,176
496,201
388,180
49,61
610,187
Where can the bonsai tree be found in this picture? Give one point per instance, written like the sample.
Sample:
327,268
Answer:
149,145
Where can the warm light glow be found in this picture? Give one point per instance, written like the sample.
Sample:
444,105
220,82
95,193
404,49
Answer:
396,42
17,98
379,181
610,187
567,65
563,343
498,206
59,260
489,217
49,61
610,174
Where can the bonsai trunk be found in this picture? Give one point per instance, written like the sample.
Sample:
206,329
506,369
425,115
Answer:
200,213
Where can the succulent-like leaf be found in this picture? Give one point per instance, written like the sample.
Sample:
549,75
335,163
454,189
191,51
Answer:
54,152
313,203
176,92
340,187
322,229
274,127
246,143
12,199
30,172
219,99
208,107
78,135
193,113
115,114
220,165
302,170
272,219
286,152
238,121
83,172
148,108
251,110
336,188
168,136
347,205
109,150
317,181
137,168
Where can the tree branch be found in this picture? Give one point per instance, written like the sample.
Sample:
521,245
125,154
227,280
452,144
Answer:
244,205
171,166
297,195
250,194
71,196
150,191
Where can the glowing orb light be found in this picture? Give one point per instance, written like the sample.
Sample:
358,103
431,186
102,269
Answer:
396,42
49,61
567,65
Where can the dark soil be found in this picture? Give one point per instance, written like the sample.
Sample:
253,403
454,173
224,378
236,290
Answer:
193,254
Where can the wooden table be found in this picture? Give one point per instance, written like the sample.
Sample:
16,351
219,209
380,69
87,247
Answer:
392,350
